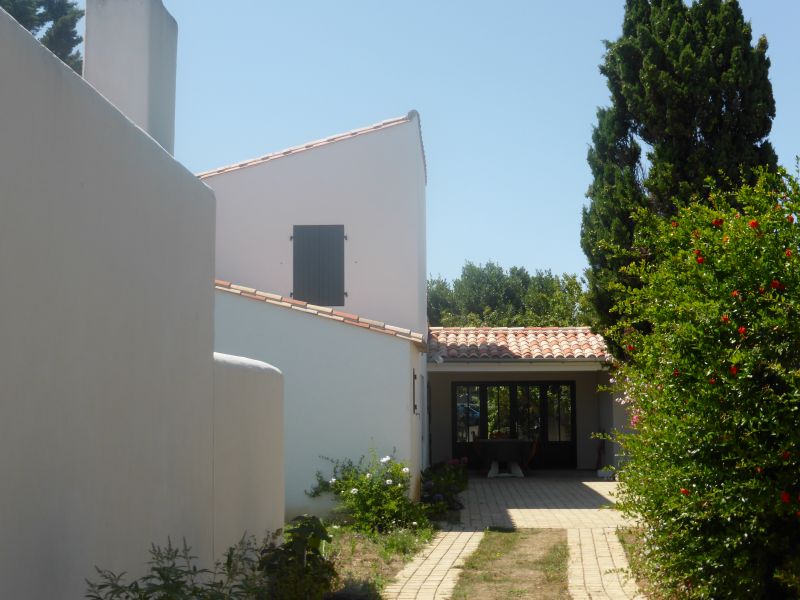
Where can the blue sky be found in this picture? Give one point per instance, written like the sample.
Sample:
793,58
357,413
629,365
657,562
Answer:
507,92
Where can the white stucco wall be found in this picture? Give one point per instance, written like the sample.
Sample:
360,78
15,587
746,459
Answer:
130,57
373,184
346,390
106,308
248,449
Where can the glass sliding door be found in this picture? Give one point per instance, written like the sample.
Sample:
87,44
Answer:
540,414
498,411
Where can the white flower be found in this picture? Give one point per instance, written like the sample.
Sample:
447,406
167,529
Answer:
388,482
386,459
414,523
399,485
332,481
354,491
368,475
406,470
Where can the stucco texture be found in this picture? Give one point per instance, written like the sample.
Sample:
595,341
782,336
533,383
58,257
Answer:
373,184
346,390
106,259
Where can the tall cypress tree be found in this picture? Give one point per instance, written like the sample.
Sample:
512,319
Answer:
54,22
689,86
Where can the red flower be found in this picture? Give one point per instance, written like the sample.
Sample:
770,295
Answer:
775,284
712,381
759,470
790,218
786,455
788,253
630,347
735,293
686,492
786,498
717,222
725,318
734,369
675,373
700,260
696,251
753,224
675,223
742,330
761,290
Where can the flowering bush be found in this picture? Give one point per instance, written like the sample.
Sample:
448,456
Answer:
712,383
374,493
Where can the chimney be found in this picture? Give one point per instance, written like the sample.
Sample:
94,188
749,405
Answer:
130,57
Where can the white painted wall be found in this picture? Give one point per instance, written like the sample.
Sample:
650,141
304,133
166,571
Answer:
106,372
248,449
373,184
346,389
130,57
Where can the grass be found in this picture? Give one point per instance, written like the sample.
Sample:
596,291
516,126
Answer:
522,563
632,543
366,563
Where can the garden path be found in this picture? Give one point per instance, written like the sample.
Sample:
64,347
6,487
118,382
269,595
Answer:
572,500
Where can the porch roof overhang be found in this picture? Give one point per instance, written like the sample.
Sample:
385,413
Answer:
561,365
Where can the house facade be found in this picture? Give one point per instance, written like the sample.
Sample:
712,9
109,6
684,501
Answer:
533,394
320,253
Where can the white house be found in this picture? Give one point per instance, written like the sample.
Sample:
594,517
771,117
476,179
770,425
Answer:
332,235
322,237
118,425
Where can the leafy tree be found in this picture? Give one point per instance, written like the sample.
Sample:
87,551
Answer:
713,392
688,85
54,22
490,296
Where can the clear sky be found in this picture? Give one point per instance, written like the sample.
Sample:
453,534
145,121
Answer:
507,92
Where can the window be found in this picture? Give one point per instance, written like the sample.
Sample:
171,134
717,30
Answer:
318,266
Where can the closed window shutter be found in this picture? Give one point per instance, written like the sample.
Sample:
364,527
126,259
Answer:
318,267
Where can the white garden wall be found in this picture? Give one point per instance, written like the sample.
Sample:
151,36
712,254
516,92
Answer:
248,449
107,428
346,389
373,183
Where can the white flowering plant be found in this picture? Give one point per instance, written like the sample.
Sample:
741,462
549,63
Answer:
373,493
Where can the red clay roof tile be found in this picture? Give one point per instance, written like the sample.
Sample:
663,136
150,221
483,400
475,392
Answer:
510,343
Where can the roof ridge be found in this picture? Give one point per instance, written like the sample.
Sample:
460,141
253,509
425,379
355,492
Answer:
326,312
412,115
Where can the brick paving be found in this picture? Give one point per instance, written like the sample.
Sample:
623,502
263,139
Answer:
571,500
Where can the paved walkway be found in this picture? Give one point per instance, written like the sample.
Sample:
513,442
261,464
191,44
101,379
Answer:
575,501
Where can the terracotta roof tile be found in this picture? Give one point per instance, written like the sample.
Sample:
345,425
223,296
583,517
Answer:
321,311
412,115
515,343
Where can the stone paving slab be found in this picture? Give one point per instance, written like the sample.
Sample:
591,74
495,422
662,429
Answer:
571,500
597,565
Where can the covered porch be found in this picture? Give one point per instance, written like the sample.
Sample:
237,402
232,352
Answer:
513,400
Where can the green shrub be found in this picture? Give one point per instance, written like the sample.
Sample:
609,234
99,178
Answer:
712,384
297,569
293,570
373,493
441,484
